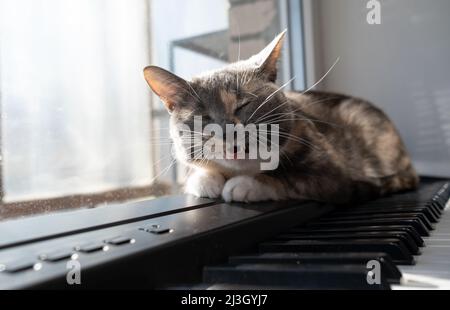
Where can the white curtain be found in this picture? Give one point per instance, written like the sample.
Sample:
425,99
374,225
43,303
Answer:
74,106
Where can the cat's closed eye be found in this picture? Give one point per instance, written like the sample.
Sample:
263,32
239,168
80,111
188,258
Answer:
243,104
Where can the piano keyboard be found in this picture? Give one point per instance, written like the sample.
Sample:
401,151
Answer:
397,242
408,234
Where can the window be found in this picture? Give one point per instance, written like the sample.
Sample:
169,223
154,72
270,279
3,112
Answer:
79,125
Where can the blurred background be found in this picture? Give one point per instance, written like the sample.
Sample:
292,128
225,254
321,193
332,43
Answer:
78,120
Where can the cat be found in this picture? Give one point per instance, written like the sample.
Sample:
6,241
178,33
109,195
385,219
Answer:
333,147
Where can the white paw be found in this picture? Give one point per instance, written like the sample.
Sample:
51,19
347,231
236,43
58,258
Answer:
204,184
247,189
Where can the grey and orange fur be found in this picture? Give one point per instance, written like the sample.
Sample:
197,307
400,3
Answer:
334,148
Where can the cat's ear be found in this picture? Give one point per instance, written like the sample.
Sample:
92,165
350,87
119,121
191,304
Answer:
268,58
169,87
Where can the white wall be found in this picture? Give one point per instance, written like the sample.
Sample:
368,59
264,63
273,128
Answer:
401,65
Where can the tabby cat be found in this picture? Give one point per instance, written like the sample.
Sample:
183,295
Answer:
333,147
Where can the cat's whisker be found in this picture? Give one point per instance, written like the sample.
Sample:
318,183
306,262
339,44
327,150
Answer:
251,94
280,88
173,162
284,133
244,78
269,98
283,120
251,75
265,116
194,155
191,167
273,117
193,133
282,152
273,110
196,95
323,77
238,56
291,137
271,143
239,40
189,115
162,159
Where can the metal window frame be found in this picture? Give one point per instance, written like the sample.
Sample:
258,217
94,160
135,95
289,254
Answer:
294,60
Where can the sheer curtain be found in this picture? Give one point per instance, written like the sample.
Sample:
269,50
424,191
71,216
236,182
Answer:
75,113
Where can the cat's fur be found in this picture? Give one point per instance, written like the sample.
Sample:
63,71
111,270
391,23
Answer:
334,148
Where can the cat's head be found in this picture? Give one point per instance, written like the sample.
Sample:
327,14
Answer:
240,93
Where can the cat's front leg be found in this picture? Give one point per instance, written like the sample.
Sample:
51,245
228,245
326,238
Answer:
205,184
252,189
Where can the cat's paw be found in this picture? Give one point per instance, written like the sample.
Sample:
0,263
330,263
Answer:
204,184
247,189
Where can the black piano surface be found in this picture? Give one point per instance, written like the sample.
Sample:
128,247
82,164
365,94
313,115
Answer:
185,243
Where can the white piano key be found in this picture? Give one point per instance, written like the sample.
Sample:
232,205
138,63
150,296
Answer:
432,270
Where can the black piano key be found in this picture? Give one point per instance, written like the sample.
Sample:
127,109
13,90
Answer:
426,209
392,272
424,194
395,248
408,222
445,191
404,206
436,210
361,229
428,213
428,204
440,204
420,216
294,277
439,201
398,200
403,236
